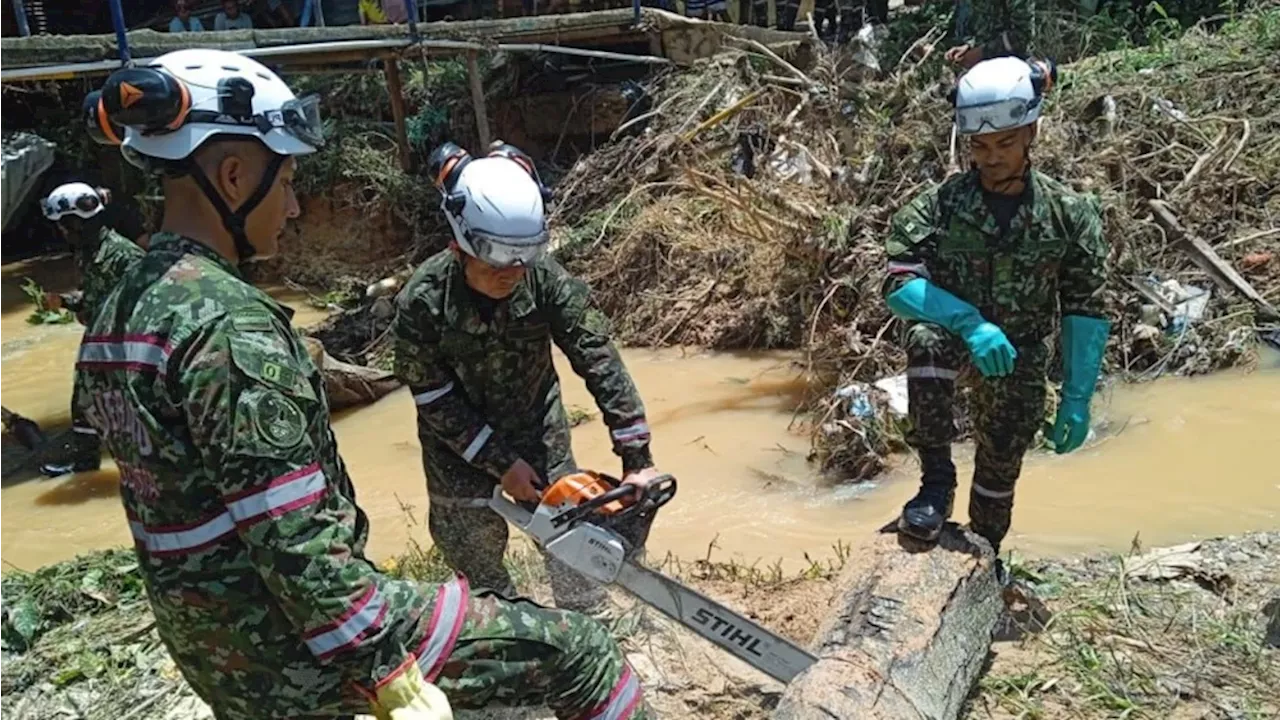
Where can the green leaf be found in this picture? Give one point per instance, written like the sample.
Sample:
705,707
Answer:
25,619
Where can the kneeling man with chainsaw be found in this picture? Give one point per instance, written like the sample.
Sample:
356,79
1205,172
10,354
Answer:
981,267
473,335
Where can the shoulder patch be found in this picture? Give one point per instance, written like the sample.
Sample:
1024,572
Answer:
277,420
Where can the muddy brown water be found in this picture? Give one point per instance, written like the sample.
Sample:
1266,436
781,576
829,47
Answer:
1178,459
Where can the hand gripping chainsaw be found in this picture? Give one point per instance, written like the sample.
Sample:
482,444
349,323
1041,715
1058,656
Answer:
592,523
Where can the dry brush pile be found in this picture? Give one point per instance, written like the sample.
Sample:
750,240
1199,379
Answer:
749,205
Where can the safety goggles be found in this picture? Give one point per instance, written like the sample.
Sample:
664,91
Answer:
993,117
55,208
299,117
505,252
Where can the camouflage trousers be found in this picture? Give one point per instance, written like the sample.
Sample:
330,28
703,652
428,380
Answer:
516,653
1007,412
473,539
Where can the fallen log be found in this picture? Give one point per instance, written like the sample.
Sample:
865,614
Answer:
908,633
346,384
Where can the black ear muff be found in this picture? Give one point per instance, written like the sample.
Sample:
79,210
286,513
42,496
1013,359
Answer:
97,121
445,167
146,98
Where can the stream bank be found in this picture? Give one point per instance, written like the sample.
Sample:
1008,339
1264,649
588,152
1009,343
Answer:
1177,633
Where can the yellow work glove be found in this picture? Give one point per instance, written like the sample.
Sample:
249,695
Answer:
410,697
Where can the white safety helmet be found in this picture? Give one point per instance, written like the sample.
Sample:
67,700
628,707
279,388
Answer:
1001,94
162,112
171,106
495,205
75,198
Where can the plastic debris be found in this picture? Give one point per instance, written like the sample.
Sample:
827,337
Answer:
896,388
859,397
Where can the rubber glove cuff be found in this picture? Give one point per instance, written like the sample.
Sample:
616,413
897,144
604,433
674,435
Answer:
920,299
408,696
1084,341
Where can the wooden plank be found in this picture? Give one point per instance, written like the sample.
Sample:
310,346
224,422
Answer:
604,27
907,635
1203,255
397,111
478,101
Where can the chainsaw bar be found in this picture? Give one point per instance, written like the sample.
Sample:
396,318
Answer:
769,653
600,554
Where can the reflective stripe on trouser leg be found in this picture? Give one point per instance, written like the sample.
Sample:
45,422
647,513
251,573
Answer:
1007,414
933,359
516,652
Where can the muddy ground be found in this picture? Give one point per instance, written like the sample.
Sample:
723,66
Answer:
1178,634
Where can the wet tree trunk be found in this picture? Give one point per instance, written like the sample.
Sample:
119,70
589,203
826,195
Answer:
908,634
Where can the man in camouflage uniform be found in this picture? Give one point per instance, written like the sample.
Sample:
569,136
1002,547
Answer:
102,256
981,266
244,517
989,29
473,337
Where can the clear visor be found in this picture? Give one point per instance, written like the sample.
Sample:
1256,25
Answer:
992,117
300,118
505,252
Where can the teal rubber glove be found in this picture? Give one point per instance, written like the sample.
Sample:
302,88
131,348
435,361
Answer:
1084,340
920,299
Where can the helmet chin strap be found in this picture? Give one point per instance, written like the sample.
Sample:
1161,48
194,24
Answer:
234,221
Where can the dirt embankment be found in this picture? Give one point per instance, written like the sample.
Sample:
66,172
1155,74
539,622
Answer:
753,208
1185,632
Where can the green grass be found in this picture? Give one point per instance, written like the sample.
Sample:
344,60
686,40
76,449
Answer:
1120,647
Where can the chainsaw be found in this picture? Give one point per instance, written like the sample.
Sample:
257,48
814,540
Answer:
596,525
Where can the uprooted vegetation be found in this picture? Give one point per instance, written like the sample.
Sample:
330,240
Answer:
752,209
1180,632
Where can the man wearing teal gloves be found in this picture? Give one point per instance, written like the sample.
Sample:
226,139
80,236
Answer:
978,267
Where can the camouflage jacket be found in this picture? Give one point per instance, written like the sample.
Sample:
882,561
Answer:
102,259
487,391
999,27
1053,252
243,514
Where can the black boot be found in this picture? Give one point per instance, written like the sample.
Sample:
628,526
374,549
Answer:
80,452
923,515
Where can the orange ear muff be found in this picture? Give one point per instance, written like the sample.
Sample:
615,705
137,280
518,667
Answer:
105,124
97,122
146,98
183,109
445,165
446,169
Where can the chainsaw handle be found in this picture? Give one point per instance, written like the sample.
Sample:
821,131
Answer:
655,494
621,493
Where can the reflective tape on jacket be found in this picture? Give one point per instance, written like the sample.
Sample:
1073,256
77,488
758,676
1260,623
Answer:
447,616
289,491
638,430
426,397
623,699
179,539
129,352
359,620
